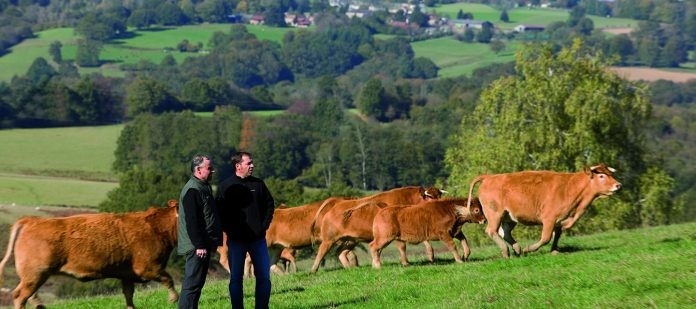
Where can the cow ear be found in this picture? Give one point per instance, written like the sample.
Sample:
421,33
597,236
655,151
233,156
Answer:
172,203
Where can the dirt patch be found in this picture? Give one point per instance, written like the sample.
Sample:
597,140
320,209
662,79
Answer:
618,31
651,74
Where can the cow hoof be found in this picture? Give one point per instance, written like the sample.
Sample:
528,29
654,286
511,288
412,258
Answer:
555,252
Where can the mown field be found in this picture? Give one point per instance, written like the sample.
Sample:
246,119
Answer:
642,268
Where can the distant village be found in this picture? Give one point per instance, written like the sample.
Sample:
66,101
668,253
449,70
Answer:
357,9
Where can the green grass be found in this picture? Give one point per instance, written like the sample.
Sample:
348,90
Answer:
535,16
60,151
458,58
144,45
650,267
40,191
57,166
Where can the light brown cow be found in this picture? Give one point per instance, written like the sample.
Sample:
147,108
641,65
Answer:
350,221
133,247
554,200
289,230
429,220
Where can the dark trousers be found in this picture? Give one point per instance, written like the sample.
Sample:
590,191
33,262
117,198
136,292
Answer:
195,272
236,252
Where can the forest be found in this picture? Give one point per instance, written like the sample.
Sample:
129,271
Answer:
364,114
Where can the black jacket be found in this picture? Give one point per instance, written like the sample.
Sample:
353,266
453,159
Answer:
245,207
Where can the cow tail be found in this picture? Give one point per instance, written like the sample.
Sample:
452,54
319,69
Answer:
10,247
471,190
312,227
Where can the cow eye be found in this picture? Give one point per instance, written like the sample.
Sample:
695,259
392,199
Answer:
601,176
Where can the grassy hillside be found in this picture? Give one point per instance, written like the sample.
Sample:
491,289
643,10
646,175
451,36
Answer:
650,267
145,44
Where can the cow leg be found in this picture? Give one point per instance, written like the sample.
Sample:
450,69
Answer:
429,253
556,235
401,245
492,231
274,255
248,268
449,242
222,250
166,280
352,258
35,301
324,247
465,247
128,288
506,231
28,287
546,231
375,251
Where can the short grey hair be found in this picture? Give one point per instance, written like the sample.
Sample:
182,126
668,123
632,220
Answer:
198,160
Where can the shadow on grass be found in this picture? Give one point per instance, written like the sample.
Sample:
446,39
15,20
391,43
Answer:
290,290
335,304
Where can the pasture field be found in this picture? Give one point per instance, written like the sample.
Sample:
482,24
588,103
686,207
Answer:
57,166
457,58
648,267
147,44
85,152
524,15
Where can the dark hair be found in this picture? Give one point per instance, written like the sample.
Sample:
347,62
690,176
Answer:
237,157
198,160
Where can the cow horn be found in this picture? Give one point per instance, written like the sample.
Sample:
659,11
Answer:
611,169
443,191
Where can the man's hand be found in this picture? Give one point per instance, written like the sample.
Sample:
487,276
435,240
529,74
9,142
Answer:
201,253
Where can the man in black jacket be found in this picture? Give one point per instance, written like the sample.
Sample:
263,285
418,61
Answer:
246,208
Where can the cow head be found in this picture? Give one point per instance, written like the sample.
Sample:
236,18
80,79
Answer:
432,193
602,179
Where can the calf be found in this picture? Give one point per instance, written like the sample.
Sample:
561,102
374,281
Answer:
554,200
348,222
428,220
133,247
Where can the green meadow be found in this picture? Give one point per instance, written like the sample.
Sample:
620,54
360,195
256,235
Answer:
457,58
57,166
641,268
147,44
524,15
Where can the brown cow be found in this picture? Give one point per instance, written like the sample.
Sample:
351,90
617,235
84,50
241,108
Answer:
133,247
554,200
350,221
429,220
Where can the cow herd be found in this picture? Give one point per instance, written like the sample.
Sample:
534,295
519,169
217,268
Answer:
134,247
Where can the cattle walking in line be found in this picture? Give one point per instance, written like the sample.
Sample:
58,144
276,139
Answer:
429,220
133,247
554,200
348,222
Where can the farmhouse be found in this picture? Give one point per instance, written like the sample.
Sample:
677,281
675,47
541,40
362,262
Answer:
529,28
460,25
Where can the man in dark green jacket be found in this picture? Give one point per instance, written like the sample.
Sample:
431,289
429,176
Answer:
246,208
199,230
